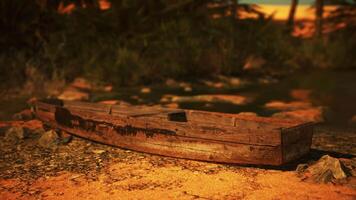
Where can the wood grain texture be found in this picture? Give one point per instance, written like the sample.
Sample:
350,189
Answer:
200,135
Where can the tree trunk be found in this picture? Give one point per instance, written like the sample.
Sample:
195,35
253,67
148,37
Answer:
319,5
234,9
292,11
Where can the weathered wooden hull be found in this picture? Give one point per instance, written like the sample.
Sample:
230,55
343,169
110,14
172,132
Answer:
196,135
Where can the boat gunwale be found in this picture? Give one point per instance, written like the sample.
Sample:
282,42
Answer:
110,109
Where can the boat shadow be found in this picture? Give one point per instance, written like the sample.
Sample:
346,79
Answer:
309,158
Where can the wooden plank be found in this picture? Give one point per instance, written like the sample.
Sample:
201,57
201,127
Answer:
134,111
237,120
192,130
192,115
296,142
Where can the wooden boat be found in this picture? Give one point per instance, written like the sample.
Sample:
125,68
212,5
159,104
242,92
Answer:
191,134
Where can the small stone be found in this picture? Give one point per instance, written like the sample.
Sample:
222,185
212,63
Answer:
188,89
171,82
73,177
16,133
254,63
212,98
172,105
301,94
352,121
72,94
287,106
48,139
98,151
145,90
82,83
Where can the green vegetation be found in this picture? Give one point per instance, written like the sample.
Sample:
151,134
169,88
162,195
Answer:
141,42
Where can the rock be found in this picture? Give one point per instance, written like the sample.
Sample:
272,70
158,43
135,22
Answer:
98,151
188,89
235,82
16,133
285,106
267,80
325,170
48,139
166,98
301,94
171,82
254,63
352,121
186,86
72,94
234,99
231,81
145,90
310,115
82,83
214,84
108,88
172,105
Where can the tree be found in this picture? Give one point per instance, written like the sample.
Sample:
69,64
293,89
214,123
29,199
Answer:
319,10
293,9
234,9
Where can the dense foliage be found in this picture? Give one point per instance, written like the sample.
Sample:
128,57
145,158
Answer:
139,42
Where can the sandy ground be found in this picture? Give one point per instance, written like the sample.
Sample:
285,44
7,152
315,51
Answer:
142,180
83,169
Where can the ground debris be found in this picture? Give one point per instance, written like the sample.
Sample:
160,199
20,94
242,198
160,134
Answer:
28,160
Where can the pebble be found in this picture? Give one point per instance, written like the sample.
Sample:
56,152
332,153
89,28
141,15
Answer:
48,139
145,90
98,151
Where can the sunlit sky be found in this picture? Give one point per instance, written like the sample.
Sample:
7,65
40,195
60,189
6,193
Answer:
282,2
278,2
280,8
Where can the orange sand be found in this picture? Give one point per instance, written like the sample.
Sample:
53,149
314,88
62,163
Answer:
141,180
